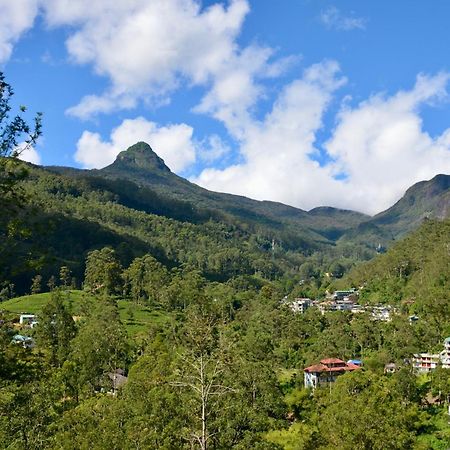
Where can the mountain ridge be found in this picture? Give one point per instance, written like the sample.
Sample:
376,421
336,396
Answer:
141,165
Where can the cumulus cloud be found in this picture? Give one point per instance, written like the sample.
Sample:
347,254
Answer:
276,151
382,147
379,146
136,45
15,18
212,149
29,154
173,143
332,18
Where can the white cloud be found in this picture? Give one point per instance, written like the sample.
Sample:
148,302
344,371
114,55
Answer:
29,154
138,47
380,146
16,16
212,149
173,143
332,18
276,150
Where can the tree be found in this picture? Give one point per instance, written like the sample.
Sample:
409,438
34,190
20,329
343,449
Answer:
65,276
15,137
103,273
100,347
144,279
36,285
56,328
201,374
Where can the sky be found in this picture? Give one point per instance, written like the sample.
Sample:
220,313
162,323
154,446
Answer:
306,102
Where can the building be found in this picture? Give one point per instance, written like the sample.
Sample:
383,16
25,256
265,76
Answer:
344,295
426,362
390,368
445,354
300,305
326,371
382,313
24,341
28,319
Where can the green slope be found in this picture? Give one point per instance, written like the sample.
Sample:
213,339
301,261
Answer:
414,273
140,165
136,318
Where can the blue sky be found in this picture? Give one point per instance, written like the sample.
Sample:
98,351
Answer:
305,102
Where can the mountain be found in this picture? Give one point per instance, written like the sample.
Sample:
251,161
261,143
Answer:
424,200
137,205
140,165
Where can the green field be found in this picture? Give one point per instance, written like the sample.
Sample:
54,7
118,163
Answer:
136,318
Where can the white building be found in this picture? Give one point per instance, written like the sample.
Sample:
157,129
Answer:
326,372
426,362
300,305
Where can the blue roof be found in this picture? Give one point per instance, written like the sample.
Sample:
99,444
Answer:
447,340
355,361
19,337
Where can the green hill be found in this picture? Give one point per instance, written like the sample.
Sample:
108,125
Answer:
136,318
414,273
424,200
137,206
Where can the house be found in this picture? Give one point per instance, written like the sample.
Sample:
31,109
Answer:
24,341
382,313
390,368
356,362
344,295
300,305
327,371
426,362
28,319
118,379
445,354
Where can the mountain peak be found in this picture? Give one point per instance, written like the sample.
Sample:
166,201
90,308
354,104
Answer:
141,156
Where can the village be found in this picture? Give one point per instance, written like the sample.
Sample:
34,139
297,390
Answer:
326,370
329,369
345,300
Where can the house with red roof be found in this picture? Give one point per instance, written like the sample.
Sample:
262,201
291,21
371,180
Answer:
327,371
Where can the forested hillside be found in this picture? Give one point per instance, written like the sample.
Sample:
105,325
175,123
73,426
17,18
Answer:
413,274
162,315
138,206
220,365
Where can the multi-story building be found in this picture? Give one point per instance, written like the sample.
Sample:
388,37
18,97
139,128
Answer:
300,305
426,362
326,372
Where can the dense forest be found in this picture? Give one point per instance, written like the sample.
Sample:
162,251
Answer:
219,361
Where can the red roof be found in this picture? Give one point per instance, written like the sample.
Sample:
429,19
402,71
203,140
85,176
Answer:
318,368
332,361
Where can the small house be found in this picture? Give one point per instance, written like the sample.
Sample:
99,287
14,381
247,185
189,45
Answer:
24,341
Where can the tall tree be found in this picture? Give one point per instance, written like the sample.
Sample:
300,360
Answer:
56,328
103,273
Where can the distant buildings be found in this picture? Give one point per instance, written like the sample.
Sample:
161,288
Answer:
28,319
327,371
426,362
346,300
300,305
